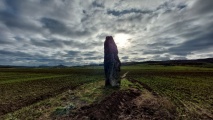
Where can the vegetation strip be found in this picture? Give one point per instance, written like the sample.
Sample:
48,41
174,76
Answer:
30,79
6,108
38,90
144,86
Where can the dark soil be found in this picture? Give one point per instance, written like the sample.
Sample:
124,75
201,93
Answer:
13,106
124,104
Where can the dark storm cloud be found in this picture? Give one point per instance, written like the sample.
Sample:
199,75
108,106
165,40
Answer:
195,31
197,40
79,59
58,27
119,13
91,53
13,20
93,58
168,6
201,7
4,40
164,43
198,37
54,26
52,61
57,43
72,53
125,57
23,58
139,59
96,4
14,53
134,53
10,18
153,51
200,43
159,57
47,43
181,6
19,55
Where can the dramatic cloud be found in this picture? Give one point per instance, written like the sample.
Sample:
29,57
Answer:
72,32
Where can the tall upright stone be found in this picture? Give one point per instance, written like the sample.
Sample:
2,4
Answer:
111,63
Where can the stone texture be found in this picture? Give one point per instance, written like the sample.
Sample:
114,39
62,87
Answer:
111,63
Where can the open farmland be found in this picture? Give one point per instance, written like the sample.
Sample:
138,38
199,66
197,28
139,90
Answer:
170,92
189,88
21,87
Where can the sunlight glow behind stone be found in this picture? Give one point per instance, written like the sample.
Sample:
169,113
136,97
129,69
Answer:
122,40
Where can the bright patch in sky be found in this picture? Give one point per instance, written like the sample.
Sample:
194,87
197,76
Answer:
72,32
122,40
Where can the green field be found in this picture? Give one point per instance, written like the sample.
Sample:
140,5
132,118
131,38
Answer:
22,87
189,88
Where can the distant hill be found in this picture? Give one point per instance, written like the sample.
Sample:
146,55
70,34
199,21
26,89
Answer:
12,66
40,66
166,63
60,66
174,62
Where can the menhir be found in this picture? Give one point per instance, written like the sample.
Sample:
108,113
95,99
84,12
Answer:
111,63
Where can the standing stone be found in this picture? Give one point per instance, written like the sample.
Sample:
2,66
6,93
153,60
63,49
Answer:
111,63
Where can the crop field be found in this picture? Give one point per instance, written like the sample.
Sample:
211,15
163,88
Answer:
48,93
190,88
22,87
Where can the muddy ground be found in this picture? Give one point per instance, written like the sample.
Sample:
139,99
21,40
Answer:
126,104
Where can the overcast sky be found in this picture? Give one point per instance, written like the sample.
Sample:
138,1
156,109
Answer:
72,32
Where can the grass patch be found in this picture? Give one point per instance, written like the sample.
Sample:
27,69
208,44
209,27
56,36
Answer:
32,85
190,88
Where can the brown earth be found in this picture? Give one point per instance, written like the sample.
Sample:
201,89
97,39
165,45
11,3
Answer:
126,105
13,106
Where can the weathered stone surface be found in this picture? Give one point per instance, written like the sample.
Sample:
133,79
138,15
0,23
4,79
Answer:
111,63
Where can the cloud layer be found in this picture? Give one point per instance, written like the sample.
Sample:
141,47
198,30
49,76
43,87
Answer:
72,32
